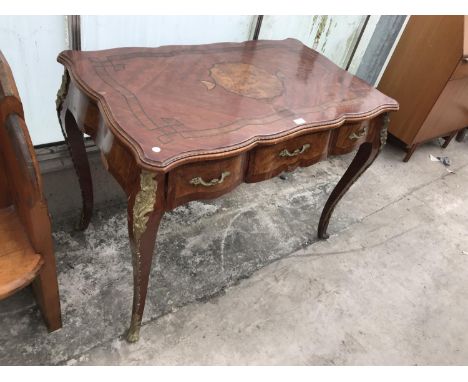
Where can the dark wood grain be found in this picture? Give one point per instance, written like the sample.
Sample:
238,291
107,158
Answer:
26,248
182,123
75,141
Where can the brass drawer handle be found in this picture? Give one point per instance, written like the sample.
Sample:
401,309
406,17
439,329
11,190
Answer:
360,134
286,153
213,182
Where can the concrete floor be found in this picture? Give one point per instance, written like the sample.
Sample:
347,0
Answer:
242,279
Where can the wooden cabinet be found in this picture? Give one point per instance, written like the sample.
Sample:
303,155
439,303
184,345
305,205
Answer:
428,75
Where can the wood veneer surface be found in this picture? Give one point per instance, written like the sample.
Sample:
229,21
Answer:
207,99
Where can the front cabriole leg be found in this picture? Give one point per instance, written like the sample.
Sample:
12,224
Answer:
145,210
74,139
365,155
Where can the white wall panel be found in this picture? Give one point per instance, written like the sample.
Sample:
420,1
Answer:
31,45
365,39
395,43
334,36
103,32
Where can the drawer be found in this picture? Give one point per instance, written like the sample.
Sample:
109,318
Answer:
461,71
204,180
349,136
268,161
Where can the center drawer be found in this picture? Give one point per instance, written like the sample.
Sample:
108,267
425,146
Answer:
204,180
268,161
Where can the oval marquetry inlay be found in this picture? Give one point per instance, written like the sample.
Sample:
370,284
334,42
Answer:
246,80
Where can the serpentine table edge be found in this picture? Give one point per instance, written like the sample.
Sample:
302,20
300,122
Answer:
245,150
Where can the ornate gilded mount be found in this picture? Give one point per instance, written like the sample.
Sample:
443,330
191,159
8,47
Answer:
144,204
384,130
62,92
133,334
145,200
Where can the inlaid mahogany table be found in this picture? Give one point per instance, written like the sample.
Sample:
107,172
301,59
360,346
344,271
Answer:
182,123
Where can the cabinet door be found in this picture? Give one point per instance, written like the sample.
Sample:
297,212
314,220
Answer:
449,113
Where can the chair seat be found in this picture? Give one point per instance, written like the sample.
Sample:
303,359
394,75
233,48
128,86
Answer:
19,264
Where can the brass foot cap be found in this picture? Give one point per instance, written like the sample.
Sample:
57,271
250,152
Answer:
133,335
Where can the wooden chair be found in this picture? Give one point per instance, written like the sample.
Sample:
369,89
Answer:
26,247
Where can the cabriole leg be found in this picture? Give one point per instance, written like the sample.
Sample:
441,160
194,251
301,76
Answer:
365,155
75,141
144,216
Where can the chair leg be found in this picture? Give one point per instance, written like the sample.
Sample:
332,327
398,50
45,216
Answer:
45,288
45,285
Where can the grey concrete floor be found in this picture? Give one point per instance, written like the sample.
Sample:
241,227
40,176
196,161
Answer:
243,280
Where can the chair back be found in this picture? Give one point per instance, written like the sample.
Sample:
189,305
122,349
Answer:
20,180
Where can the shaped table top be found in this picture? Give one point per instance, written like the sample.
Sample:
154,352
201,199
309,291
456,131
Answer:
175,102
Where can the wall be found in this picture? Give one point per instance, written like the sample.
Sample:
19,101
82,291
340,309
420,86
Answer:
104,32
31,45
334,36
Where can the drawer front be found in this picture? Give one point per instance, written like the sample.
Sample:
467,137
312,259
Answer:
461,70
204,180
348,137
268,161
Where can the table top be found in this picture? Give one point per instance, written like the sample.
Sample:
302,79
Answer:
204,101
